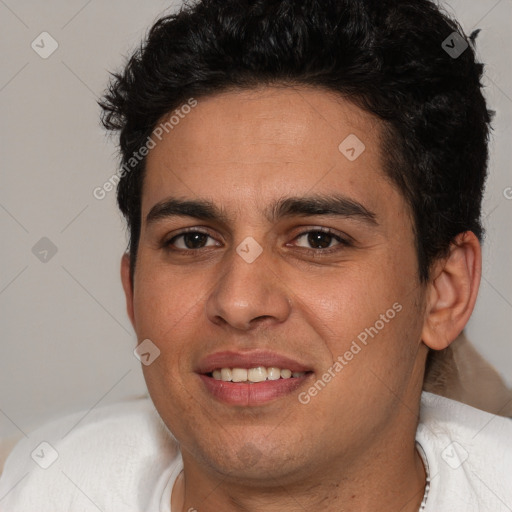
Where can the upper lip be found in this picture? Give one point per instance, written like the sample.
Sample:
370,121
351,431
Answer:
249,359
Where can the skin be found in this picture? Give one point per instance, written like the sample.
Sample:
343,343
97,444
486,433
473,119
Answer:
351,448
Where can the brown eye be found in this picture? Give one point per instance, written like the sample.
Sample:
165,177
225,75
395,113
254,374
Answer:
319,240
189,240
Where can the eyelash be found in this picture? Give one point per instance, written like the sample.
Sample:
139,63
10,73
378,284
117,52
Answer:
343,242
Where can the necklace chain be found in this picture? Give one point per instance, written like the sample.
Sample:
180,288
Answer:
427,484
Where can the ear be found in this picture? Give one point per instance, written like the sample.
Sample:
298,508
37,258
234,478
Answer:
452,292
127,286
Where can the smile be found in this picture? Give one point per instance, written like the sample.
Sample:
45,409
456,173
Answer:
252,377
258,374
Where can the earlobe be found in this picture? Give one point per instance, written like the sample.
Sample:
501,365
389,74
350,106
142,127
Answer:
127,286
452,292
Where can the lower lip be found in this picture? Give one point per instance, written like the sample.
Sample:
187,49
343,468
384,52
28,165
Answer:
256,393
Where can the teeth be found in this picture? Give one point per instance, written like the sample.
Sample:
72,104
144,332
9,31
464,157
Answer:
273,373
239,375
257,374
225,374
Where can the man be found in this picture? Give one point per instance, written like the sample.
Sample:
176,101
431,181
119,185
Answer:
302,182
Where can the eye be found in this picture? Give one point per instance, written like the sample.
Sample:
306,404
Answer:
188,240
321,240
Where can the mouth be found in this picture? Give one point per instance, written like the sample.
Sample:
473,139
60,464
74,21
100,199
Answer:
251,378
254,375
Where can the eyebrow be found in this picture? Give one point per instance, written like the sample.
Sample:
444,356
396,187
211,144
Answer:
327,205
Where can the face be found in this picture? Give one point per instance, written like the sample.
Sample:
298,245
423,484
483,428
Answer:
299,256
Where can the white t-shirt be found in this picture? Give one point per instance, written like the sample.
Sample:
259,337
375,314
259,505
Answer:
121,458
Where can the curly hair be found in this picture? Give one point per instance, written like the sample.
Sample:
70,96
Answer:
385,56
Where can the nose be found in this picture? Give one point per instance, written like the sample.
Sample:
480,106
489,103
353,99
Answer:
248,294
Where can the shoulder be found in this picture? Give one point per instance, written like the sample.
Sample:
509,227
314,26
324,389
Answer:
72,461
469,454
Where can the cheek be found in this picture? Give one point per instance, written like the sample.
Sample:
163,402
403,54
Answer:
161,301
166,307
373,303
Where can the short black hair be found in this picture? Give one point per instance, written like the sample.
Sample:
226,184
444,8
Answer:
389,57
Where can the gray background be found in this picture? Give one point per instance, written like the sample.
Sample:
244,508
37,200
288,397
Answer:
66,341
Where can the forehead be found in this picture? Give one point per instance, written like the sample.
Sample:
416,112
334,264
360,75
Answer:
247,147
